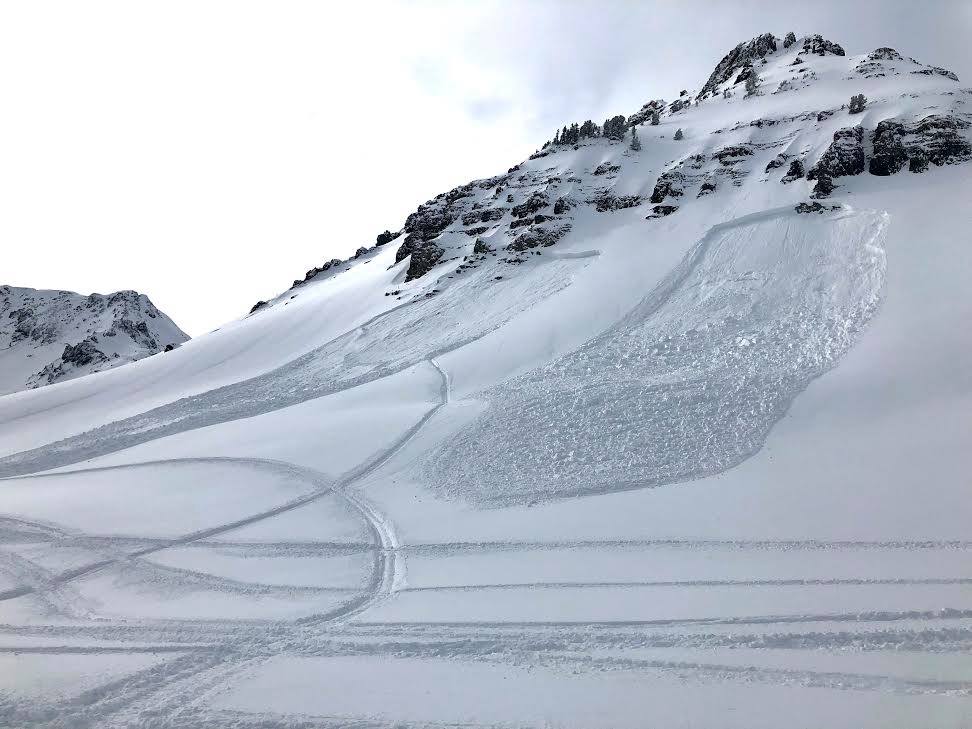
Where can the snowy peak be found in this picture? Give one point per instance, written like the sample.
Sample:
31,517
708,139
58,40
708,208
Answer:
737,65
738,62
773,111
49,336
748,57
885,61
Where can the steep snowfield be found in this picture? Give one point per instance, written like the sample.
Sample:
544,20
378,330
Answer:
708,468
53,336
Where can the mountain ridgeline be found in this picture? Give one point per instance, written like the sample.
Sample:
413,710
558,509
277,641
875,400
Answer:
803,112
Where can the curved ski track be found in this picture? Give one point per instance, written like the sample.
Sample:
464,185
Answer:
387,575
200,658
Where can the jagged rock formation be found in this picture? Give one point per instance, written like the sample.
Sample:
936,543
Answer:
660,211
424,255
645,113
606,169
537,237
670,184
778,161
385,237
738,61
936,139
889,151
49,336
536,201
844,156
795,172
534,204
607,201
819,46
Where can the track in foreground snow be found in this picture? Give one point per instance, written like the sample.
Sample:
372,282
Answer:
387,576
747,628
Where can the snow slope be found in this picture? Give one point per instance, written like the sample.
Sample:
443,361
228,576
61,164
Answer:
53,336
702,466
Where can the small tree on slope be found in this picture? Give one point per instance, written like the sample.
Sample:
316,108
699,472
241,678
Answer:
635,142
857,103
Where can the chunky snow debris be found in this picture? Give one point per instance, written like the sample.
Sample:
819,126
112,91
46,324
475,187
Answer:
690,382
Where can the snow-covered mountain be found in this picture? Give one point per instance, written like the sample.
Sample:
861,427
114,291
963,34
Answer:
667,432
50,336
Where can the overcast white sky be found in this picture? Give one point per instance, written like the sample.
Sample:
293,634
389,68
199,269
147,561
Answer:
207,153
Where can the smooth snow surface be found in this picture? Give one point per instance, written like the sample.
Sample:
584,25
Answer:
709,469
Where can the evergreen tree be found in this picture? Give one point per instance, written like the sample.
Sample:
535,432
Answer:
557,137
614,127
789,40
654,117
857,103
678,134
635,142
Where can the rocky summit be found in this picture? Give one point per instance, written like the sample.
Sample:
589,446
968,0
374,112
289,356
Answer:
50,336
773,111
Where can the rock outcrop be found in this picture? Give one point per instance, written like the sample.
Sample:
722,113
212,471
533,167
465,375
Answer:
607,201
425,254
739,59
538,237
669,184
794,172
820,46
536,201
936,139
844,156
889,154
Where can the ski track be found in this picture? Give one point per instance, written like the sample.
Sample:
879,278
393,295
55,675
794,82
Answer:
200,658
385,543
148,686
